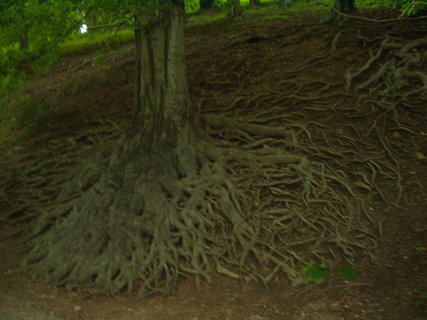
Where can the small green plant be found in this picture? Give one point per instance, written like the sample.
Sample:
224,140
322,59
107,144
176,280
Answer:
347,272
420,249
315,272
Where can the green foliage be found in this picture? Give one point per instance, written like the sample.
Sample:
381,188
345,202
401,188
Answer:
347,272
95,41
192,6
408,7
420,249
205,19
314,272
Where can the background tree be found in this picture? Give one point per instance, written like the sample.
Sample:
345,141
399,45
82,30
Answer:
285,3
235,9
207,4
346,6
254,2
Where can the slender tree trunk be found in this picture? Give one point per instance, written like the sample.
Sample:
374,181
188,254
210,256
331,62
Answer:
236,9
23,42
92,20
254,3
285,3
207,4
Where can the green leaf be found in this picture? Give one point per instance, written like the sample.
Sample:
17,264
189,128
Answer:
420,249
315,272
347,272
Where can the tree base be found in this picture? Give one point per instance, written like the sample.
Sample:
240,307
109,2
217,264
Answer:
141,220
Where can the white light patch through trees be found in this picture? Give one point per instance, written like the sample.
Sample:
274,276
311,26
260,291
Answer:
83,28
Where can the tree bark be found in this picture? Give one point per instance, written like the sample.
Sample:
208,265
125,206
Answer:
23,42
285,3
236,9
346,6
207,4
165,109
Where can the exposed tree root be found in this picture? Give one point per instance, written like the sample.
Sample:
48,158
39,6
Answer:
400,75
259,191
149,219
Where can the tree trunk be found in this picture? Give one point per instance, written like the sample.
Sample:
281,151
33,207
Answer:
92,20
23,42
285,3
164,111
236,9
138,214
254,3
345,6
207,4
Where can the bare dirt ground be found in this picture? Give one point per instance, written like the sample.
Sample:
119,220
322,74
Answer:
235,69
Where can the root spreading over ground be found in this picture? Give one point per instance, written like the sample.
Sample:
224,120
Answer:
259,190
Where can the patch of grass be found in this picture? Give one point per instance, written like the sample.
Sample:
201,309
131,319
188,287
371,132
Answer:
347,272
315,272
95,40
197,20
420,249
307,6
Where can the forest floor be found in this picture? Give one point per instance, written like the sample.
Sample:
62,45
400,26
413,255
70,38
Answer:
91,96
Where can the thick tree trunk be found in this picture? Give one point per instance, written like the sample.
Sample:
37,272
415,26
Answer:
164,110
138,206
346,6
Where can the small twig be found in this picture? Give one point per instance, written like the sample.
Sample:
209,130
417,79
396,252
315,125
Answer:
105,26
352,284
367,19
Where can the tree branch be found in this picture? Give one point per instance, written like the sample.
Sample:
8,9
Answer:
105,26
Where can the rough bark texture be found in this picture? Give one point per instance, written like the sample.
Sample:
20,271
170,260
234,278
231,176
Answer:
165,109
